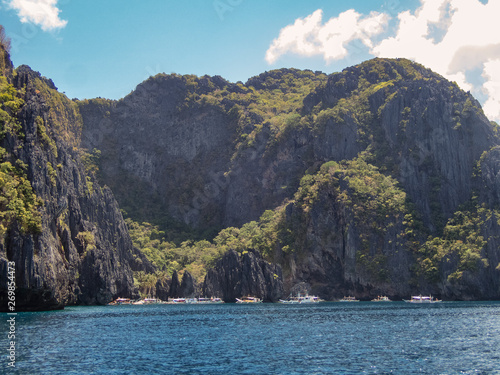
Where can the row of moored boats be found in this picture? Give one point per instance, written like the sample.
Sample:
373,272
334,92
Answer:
313,299
155,301
413,299
299,299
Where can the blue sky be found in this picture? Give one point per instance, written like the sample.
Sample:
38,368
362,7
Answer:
105,48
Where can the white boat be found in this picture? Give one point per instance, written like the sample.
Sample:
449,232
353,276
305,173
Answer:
204,300
349,299
381,299
248,299
422,299
301,299
214,300
120,301
290,301
179,300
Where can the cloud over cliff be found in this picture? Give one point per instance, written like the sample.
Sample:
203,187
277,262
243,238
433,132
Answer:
453,37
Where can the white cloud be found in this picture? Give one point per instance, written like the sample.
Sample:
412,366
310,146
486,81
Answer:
469,42
40,12
491,87
451,37
309,37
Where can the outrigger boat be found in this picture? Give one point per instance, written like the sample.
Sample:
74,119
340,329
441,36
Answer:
204,300
179,300
301,299
120,301
148,301
248,299
381,299
422,299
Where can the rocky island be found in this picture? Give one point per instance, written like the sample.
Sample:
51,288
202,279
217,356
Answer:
382,179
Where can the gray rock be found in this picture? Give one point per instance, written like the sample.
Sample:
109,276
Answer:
237,275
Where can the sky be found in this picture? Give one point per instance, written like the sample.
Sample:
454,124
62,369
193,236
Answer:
105,48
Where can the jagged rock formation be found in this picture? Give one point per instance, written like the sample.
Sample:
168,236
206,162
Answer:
188,285
428,131
81,252
174,291
150,151
383,179
185,288
179,140
429,135
239,275
420,131
162,289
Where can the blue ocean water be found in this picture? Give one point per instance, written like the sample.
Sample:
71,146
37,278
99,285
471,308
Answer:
325,338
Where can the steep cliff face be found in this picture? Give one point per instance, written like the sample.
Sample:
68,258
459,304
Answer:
383,179
77,249
351,233
169,147
238,275
429,136
196,148
423,129
216,154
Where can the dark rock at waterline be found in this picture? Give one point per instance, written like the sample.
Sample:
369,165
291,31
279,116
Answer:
238,275
175,286
188,285
83,253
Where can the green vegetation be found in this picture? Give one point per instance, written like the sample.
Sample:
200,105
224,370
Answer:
42,133
18,203
193,256
271,100
462,242
90,160
87,240
51,172
146,282
63,114
4,49
367,199
197,257
10,103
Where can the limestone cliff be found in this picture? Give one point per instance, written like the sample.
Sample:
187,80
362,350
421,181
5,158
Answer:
195,147
240,275
432,138
217,154
79,251
380,179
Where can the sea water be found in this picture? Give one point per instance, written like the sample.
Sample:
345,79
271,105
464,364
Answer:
324,338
